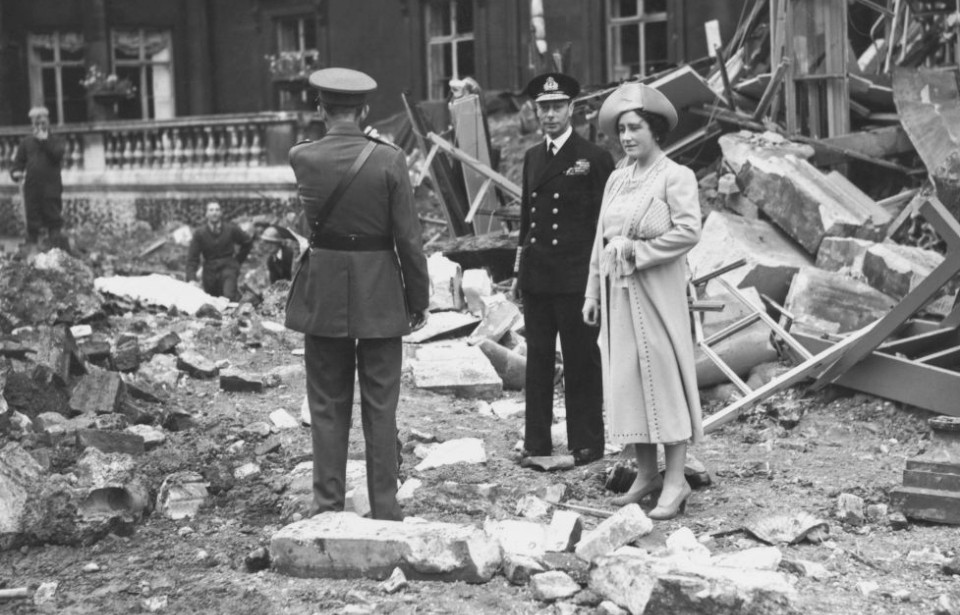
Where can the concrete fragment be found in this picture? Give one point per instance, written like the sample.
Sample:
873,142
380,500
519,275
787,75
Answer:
197,365
343,545
895,270
552,463
152,437
456,369
552,493
564,532
462,450
807,204
20,477
443,324
283,420
181,495
81,331
499,315
644,584
519,568
532,507
826,302
161,344
125,354
509,365
683,543
843,255
757,558
521,537
161,370
445,283
396,582
623,527
876,512
408,489
610,608
737,147
246,470
45,593
96,393
850,509
110,489
111,441
476,285
772,258
553,585
806,568
506,408
239,381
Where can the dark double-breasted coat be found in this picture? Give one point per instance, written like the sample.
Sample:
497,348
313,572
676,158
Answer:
359,306
559,209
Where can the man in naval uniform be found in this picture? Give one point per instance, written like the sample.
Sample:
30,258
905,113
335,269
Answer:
563,182
368,286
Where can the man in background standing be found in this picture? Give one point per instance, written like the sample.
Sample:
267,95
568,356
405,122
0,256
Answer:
37,163
215,242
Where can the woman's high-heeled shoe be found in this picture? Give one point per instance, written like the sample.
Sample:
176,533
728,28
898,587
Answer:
669,510
634,497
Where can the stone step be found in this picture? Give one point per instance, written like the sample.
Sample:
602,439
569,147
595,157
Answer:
927,504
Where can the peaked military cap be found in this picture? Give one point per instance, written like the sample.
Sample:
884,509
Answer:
342,86
552,86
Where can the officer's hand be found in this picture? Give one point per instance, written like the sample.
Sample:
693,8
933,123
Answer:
419,319
591,312
514,293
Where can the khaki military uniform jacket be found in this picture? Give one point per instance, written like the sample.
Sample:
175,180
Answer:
368,294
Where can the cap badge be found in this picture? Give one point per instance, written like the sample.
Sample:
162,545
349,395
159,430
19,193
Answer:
550,85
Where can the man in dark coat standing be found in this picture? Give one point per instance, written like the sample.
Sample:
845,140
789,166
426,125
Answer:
215,241
563,182
367,285
37,162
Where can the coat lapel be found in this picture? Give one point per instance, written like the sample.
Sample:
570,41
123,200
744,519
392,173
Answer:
562,161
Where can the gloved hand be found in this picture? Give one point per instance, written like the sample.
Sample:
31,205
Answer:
419,319
617,257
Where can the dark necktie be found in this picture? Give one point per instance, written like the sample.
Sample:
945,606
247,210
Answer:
551,150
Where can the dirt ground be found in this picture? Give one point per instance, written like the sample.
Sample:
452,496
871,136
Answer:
762,464
843,443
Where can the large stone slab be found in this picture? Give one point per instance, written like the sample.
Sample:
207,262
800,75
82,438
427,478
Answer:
96,393
161,290
772,258
456,369
895,270
644,584
343,545
826,302
737,147
809,205
461,450
443,324
843,255
20,476
623,527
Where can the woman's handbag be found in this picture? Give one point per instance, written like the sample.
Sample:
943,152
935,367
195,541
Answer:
300,305
656,221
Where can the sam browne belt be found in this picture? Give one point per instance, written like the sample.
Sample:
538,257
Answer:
354,243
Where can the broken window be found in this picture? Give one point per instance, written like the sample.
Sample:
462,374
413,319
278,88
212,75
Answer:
56,68
637,37
145,57
450,47
297,55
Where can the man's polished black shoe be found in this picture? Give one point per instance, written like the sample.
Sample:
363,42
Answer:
584,456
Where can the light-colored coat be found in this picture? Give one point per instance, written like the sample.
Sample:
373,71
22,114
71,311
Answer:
657,291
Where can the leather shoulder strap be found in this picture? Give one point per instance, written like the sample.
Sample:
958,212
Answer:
324,214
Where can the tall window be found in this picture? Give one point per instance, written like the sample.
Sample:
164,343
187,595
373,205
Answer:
637,37
297,56
450,49
145,57
56,68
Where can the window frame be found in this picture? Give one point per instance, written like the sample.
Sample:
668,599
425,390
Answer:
437,89
141,63
641,19
36,66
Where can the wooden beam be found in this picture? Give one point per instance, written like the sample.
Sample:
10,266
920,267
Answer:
946,358
913,345
508,186
772,89
478,200
727,89
780,331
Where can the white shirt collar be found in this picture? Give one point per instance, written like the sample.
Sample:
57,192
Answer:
559,141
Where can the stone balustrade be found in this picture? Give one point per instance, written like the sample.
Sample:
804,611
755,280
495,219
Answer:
221,141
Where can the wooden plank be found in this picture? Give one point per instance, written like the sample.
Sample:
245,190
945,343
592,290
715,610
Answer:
949,230
795,376
772,88
946,358
732,329
478,200
780,331
914,345
500,180
927,504
727,90
898,379
470,128
932,480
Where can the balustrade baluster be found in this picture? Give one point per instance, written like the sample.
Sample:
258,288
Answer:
120,158
244,159
137,153
257,152
149,149
166,149
233,151
189,147
128,159
78,152
209,150
178,153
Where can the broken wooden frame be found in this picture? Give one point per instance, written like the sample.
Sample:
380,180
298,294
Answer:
853,361
756,315
507,187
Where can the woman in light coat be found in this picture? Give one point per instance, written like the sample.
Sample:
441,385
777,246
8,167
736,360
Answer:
636,290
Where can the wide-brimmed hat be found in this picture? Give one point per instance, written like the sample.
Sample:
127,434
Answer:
631,97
